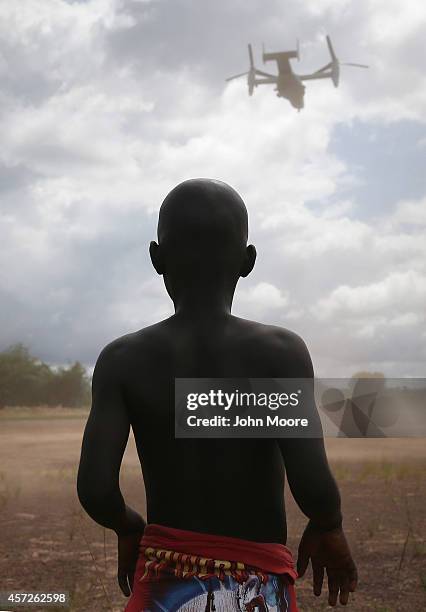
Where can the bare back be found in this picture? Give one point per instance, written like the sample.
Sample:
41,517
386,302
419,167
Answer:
231,487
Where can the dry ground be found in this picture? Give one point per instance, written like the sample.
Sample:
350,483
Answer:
48,543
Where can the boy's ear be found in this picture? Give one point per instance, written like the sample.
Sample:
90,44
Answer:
249,261
156,257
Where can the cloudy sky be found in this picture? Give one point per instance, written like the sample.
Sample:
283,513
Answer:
105,105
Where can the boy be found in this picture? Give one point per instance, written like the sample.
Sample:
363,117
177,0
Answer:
208,542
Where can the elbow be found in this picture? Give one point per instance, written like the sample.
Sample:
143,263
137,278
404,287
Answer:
98,499
85,494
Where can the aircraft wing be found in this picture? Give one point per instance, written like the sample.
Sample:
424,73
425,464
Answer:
266,74
323,73
282,59
315,75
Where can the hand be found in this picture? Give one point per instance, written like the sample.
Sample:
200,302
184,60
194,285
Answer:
128,552
328,550
129,536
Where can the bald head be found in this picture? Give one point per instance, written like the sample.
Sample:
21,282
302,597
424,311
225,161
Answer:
203,210
202,232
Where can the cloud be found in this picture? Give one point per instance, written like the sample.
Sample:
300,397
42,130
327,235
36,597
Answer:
261,299
409,215
97,129
401,291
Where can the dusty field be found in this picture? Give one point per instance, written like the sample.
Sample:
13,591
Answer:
47,543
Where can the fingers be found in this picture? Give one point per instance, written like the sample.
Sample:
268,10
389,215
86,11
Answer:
318,572
302,561
344,590
126,578
348,584
131,577
333,586
303,557
340,584
128,551
123,583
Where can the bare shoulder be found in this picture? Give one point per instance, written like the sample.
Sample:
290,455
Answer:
115,350
283,350
109,360
121,351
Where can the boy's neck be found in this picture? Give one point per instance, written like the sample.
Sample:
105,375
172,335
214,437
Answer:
203,306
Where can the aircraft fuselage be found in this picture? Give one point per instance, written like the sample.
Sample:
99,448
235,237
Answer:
289,86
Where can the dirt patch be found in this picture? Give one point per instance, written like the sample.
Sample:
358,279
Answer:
48,543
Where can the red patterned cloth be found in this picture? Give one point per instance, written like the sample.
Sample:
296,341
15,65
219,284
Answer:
184,570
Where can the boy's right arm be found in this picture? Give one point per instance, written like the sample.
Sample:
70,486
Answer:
323,541
315,491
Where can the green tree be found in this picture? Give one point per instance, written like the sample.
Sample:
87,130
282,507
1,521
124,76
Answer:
27,381
70,386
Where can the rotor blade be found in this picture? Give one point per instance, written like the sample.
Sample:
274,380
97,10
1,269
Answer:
323,68
265,74
250,50
236,76
351,64
330,48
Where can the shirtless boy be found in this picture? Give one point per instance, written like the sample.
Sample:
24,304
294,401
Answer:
198,490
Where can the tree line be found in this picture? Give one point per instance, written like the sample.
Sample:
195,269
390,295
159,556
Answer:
25,380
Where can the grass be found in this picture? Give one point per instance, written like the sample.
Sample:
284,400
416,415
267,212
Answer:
419,547
62,474
15,413
95,566
386,471
8,493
